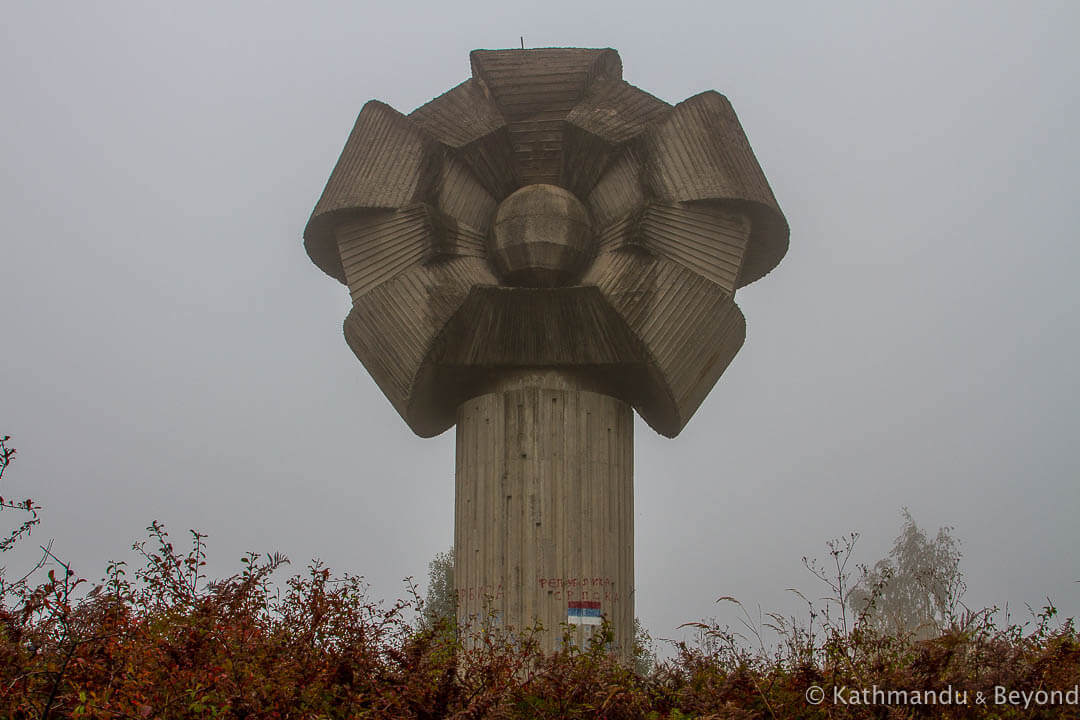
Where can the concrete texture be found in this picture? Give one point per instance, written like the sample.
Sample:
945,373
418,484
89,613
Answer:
544,509
545,217
541,237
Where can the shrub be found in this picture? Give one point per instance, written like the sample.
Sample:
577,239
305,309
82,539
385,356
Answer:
166,642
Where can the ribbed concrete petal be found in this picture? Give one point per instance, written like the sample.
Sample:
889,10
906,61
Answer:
387,163
523,83
461,115
467,121
690,327
611,113
493,162
535,90
585,157
392,327
700,152
704,238
619,193
501,327
500,330
615,111
454,239
460,195
377,246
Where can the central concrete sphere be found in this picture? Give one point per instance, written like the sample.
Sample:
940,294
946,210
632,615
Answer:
541,237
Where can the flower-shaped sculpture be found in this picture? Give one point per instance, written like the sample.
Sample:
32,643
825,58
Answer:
547,214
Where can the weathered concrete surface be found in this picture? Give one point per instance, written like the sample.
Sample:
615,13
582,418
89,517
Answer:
541,237
674,197
546,221
544,509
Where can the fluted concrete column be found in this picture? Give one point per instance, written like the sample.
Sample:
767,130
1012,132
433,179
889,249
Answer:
544,519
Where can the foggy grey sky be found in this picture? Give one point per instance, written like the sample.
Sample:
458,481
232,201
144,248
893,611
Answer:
169,352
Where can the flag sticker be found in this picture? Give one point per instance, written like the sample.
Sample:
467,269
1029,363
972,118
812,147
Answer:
583,612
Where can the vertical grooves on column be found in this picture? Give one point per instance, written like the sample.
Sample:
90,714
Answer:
544,508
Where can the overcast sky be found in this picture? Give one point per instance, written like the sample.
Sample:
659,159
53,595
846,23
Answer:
169,352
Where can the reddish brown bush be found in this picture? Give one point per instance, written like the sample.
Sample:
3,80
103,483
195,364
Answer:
166,643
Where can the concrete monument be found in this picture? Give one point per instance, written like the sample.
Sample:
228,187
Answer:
530,255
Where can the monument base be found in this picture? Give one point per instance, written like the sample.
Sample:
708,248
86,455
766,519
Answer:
544,516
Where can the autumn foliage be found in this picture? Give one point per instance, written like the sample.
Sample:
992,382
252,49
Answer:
163,641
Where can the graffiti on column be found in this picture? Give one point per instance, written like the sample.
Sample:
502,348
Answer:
592,589
580,588
480,592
